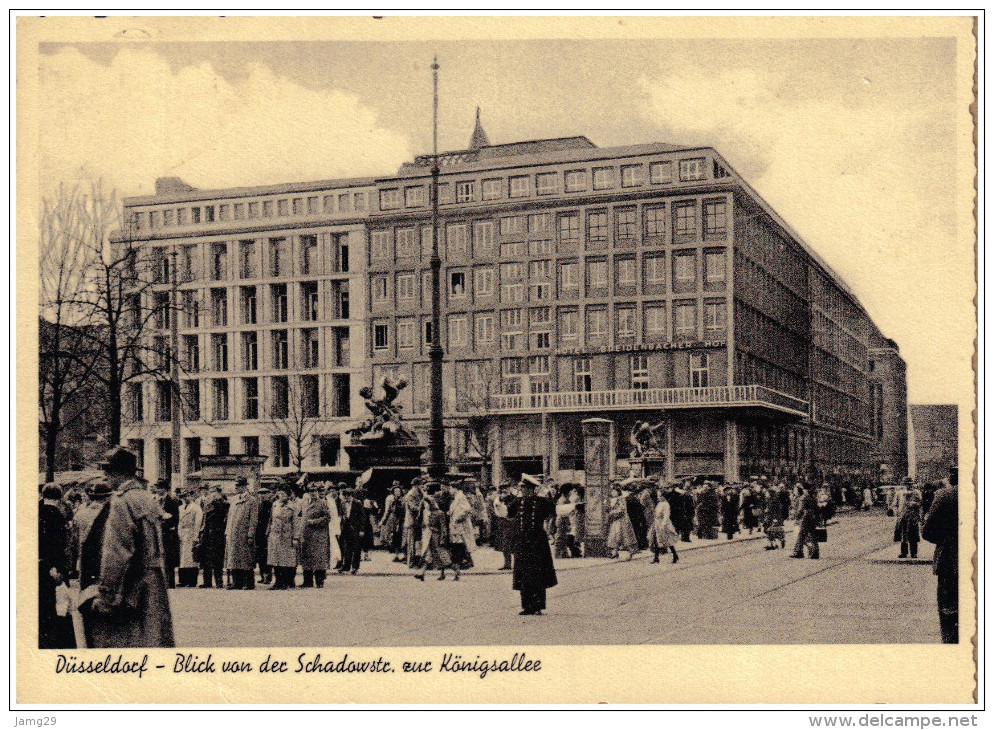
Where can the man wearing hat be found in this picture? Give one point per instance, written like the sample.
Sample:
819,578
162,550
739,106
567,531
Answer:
261,535
210,541
313,538
239,545
534,571
91,521
191,518
132,584
54,631
354,520
170,534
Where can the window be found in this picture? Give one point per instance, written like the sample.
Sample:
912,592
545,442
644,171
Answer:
167,216
298,206
714,316
538,365
246,260
381,337
457,239
427,332
406,333
597,227
250,388
655,222
267,208
219,347
250,350
360,201
655,320
279,257
597,321
405,287
512,249
219,399
191,353
328,449
444,193
568,275
249,308
513,225
458,331
309,301
310,259
683,269
328,203
283,208
631,176
655,271
640,372
310,396
457,284
389,199
191,400
281,452
603,178
381,291
219,261
163,309
406,243
546,183
576,180
685,220
692,169
189,263
238,211
513,293
625,225
540,325
277,292
715,218
625,322
581,374
483,282
569,228
281,350
660,173
483,238
511,272
714,267
414,197
493,189
512,328
541,269
251,445
312,348
312,205
191,308
222,445
195,213
518,186
426,287
511,370
345,203
484,329
219,307
698,370
625,271
568,324
540,223
685,319
280,405
596,274
182,216
465,191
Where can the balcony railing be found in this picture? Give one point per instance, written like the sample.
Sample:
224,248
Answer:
758,396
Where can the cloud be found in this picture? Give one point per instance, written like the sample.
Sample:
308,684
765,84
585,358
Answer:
136,119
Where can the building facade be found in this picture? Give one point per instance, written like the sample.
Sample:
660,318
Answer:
646,283
936,441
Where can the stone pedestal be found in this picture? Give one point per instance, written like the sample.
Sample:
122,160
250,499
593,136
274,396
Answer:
598,467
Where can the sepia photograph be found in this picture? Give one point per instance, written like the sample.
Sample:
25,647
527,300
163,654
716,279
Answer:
496,341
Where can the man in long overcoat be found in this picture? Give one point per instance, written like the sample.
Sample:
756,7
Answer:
239,546
312,534
91,522
353,518
210,545
261,536
132,585
534,571
170,533
942,528
54,631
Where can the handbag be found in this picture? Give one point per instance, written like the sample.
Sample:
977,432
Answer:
821,534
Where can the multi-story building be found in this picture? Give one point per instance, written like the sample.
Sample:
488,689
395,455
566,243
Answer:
936,441
641,283
271,307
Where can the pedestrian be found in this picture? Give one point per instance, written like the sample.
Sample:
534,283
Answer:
503,533
708,505
392,523
867,498
211,542
621,535
412,523
907,530
333,500
534,571
90,523
281,540
462,538
646,499
729,511
240,535
662,534
808,519
353,518
371,510
574,540
187,529
637,518
563,511
132,590
434,528
773,518
170,525
313,538
942,528
54,631
751,504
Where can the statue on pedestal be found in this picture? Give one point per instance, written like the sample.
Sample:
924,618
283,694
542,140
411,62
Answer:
384,426
644,439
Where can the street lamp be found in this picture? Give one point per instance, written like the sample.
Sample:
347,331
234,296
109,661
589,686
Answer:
436,432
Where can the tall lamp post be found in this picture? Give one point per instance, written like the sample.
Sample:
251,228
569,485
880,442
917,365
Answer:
176,398
436,432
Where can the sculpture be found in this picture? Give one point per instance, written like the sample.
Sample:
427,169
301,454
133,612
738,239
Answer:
644,439
384,424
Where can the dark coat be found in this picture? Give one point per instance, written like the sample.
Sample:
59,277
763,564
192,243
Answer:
730,513
54,631
533,566
132,581
355,523
211,541
636,514
312,531
239,546
170,531
942,528
262,533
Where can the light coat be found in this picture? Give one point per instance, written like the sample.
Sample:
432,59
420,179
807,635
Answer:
282,528
312,531
191,519
239,545
662,534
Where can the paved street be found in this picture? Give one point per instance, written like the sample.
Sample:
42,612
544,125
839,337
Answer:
735,593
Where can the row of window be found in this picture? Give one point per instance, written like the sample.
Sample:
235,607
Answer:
550,183
300,350
545,279
536,328
329,203
477,238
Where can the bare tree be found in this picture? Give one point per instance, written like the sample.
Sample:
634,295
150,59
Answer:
295,413
476,384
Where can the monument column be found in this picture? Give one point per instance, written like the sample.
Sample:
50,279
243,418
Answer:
670,456
497,454
598,467
553,447
731,451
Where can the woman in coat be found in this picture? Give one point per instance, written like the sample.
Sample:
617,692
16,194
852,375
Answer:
190,521
662,534
620,533
312,533
281,543
462,537
334,526
730,512
433,551
392,523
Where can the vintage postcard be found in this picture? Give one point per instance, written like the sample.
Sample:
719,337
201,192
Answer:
496,360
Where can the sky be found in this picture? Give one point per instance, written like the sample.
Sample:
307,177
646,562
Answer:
850,140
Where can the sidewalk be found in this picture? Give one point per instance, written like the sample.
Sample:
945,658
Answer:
487,561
